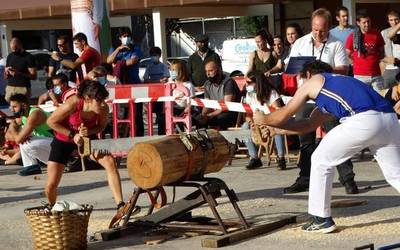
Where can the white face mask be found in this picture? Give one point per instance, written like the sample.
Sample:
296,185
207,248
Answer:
250,89
174,74
126,40
57,90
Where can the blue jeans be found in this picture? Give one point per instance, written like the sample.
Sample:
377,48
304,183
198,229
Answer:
252,148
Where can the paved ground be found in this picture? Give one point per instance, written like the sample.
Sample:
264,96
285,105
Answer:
260,194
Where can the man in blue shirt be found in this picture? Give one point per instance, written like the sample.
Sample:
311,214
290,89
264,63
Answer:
343,30
367,120
125,60
128,52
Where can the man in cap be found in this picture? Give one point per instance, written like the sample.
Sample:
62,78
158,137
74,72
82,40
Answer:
198,60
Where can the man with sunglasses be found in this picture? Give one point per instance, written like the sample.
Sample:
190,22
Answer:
55,67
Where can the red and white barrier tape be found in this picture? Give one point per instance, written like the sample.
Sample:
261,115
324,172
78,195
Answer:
212,104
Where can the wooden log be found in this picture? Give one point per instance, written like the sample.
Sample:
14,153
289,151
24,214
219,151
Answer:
162,161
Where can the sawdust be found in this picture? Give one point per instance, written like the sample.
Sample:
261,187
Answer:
353,227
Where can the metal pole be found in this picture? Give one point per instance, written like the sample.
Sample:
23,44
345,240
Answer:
234,26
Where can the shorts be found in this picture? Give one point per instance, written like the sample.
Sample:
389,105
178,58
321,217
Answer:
61,151
12,90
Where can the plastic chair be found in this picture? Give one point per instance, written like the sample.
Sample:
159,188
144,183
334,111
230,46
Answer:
170,119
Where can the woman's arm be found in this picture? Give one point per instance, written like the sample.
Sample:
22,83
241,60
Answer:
278,66
59,115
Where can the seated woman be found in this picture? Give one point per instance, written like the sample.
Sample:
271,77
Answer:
180,76
84,114
261,92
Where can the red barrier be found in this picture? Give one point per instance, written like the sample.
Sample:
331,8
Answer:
131,91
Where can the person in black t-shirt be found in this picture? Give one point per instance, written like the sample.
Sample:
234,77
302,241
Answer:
55,67
20,70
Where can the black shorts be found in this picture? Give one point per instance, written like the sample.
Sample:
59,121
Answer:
61,151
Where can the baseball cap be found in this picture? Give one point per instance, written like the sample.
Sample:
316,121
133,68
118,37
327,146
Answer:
201,38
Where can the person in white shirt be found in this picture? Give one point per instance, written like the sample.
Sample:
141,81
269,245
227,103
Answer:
260,91
320,44
391,62
180,76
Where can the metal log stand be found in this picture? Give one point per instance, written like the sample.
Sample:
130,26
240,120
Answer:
207,190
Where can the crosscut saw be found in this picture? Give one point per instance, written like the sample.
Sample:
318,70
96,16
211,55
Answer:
120,147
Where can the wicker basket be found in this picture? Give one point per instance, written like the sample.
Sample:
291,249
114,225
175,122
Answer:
59,230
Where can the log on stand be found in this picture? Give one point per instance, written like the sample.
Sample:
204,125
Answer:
163,161
182,161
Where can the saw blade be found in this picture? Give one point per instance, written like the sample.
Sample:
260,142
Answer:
121,146
233,135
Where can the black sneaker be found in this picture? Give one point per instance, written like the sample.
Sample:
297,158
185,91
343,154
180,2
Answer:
295,188
351,187
254,163
30,170
319,225
281,163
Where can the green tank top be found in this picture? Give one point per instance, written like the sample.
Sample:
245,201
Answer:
259,65
41,130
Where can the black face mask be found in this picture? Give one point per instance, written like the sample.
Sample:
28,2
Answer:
203,49
20,113
213,78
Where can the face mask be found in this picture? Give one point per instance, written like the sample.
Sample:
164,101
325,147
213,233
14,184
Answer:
203,49
57,90
126,40
102,80
213,78
155,59
20,112
250,89
174,75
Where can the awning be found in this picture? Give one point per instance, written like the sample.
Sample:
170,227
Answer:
34,9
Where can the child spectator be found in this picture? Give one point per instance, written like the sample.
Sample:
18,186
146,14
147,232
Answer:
156,71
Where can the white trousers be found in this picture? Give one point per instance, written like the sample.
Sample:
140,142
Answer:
380,132
37,148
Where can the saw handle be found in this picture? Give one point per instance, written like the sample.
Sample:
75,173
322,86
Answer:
257,136
84,151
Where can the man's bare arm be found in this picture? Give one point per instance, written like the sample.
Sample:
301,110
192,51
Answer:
306,125
35,119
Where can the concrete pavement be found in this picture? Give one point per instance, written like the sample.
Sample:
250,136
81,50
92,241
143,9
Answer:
260,194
